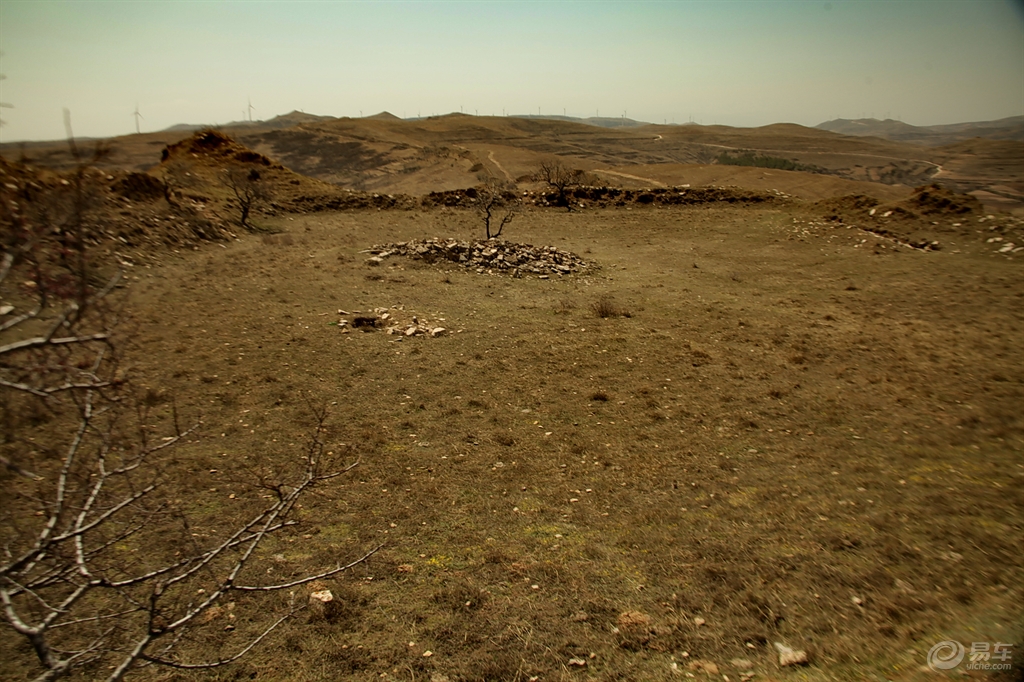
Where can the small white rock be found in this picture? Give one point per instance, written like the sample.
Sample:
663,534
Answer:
788,656
322,596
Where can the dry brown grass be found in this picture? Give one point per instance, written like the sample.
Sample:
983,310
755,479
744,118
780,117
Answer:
538,475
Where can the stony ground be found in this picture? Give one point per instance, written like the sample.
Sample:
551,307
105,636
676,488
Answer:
744,426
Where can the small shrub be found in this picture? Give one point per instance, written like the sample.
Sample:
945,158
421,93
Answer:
606,307
599,396
564,306
274,239
504,439
764,161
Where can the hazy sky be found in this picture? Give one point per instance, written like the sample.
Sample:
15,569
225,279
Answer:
745,63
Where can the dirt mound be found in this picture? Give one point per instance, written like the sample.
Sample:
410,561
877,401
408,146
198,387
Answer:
330,198
125,213
138,187
928,203
215,146
666,196
934,200
835,207
929,220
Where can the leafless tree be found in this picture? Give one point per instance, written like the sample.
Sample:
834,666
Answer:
102,570
496,203
250,190
561,178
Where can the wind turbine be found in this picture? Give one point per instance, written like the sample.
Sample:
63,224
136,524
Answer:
251,107
137,116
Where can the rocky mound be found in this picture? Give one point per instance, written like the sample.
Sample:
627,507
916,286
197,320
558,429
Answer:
835,208
930,216
604,197
935,200
213,145
123,212
486,256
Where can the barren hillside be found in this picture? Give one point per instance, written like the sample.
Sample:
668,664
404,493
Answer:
390,155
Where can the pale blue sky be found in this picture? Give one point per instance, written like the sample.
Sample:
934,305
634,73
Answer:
741,63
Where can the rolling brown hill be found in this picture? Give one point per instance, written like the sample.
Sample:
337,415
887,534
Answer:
1010,128
383,153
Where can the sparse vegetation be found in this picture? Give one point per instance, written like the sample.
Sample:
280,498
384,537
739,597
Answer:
249,190
763,161
561,179
606,307
496,202
761,456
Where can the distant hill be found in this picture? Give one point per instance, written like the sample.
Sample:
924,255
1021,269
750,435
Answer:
1011,128
384,116
601,122
382,153
193,127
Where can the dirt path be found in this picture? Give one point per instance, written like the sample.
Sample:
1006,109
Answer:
490,157
631,177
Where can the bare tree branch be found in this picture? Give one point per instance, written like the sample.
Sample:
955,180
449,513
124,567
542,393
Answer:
88,573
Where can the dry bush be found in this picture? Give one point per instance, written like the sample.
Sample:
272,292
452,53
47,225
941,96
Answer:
561,179
565,306
250,190
606,307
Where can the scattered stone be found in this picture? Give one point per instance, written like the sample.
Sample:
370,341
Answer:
698,621
6,309
487,256
374,261
704,666
788,656
577,662
633,619
437,331
318,601
742,664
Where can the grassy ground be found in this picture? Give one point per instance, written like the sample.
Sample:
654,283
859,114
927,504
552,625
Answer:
787,434
786,421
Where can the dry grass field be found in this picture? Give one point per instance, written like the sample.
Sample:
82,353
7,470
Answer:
784,422
741,425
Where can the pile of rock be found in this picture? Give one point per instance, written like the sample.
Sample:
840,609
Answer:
394,320
486,256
